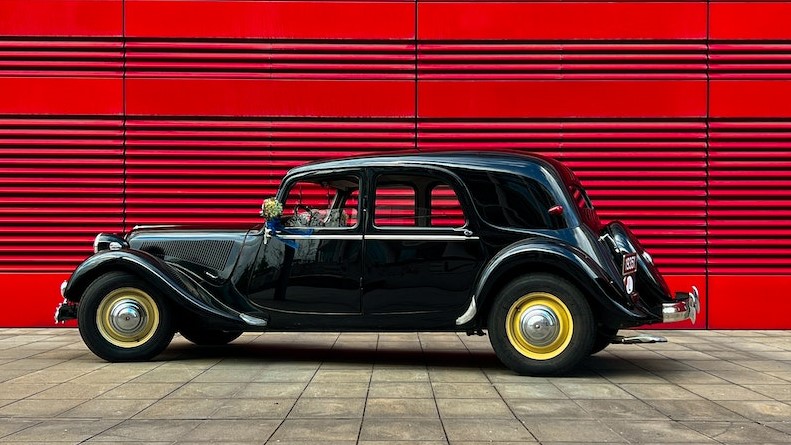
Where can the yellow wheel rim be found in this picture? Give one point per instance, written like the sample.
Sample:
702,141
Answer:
539,326
127,317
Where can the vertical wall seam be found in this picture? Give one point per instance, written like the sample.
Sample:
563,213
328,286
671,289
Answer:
707,159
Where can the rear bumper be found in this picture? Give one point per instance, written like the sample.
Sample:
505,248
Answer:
685,306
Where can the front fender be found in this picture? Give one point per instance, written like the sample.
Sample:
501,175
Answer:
542,255
151,269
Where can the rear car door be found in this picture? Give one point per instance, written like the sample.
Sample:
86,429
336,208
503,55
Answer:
421,254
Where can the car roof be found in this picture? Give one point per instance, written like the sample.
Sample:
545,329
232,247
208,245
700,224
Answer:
512,162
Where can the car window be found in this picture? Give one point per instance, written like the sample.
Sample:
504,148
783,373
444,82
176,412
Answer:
416,201
329,202
509,200
446,209
585,207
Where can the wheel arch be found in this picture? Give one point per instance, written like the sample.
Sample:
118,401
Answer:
552,259
174,286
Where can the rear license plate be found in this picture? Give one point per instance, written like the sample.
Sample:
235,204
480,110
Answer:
629,263
629,272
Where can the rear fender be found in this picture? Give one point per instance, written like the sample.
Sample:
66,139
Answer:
153,270
538,255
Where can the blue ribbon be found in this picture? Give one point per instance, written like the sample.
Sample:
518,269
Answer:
274,226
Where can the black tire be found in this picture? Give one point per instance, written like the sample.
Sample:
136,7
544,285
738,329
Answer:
208,337
108,337
541,295
604,337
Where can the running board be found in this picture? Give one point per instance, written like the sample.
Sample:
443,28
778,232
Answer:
644,338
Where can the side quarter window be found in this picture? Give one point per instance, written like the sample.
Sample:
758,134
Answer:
509,200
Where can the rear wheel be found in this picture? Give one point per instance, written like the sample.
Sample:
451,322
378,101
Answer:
208,337
540,324
121,318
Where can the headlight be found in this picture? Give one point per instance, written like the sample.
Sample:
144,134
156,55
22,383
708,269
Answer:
108,241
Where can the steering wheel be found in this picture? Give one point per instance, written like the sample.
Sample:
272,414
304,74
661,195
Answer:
306,216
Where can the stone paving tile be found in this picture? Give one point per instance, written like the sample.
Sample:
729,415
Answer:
71,430
206,390
336,408
532,391
232,430
694,410
561,430
725,392
317,430
481,409
487,429
763,411
37,408
343,390
149,430
108,409
592,390
271,390
181,409
546,408
655,431
253,409
739,432
399,389
619,409
140,391
402,429
401,408
464,391
649,391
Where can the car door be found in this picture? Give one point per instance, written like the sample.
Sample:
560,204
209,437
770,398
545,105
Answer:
312,263
421,251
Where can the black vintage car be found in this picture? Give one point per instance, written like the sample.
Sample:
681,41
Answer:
466,242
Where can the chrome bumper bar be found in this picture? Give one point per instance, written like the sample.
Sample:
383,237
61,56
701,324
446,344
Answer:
685,306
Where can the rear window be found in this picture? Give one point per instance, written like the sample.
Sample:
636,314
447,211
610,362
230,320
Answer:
507,200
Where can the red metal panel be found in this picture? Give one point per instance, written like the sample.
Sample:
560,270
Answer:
246,97
729,293
561,20
749,20
753,98
67,18
270,19
28,299
60,95
564,98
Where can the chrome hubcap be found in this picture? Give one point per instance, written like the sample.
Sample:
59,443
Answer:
128,316
539,325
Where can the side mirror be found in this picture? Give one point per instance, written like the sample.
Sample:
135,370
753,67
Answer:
555,210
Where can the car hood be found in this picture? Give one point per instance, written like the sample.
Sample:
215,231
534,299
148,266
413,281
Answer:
206,252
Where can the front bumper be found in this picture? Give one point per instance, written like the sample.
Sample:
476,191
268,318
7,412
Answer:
686,306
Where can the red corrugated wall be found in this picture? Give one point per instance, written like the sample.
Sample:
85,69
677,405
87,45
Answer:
675,114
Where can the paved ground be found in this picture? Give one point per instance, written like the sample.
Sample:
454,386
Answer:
702,387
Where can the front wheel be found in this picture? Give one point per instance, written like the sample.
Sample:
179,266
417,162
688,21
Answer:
121,318
540,325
